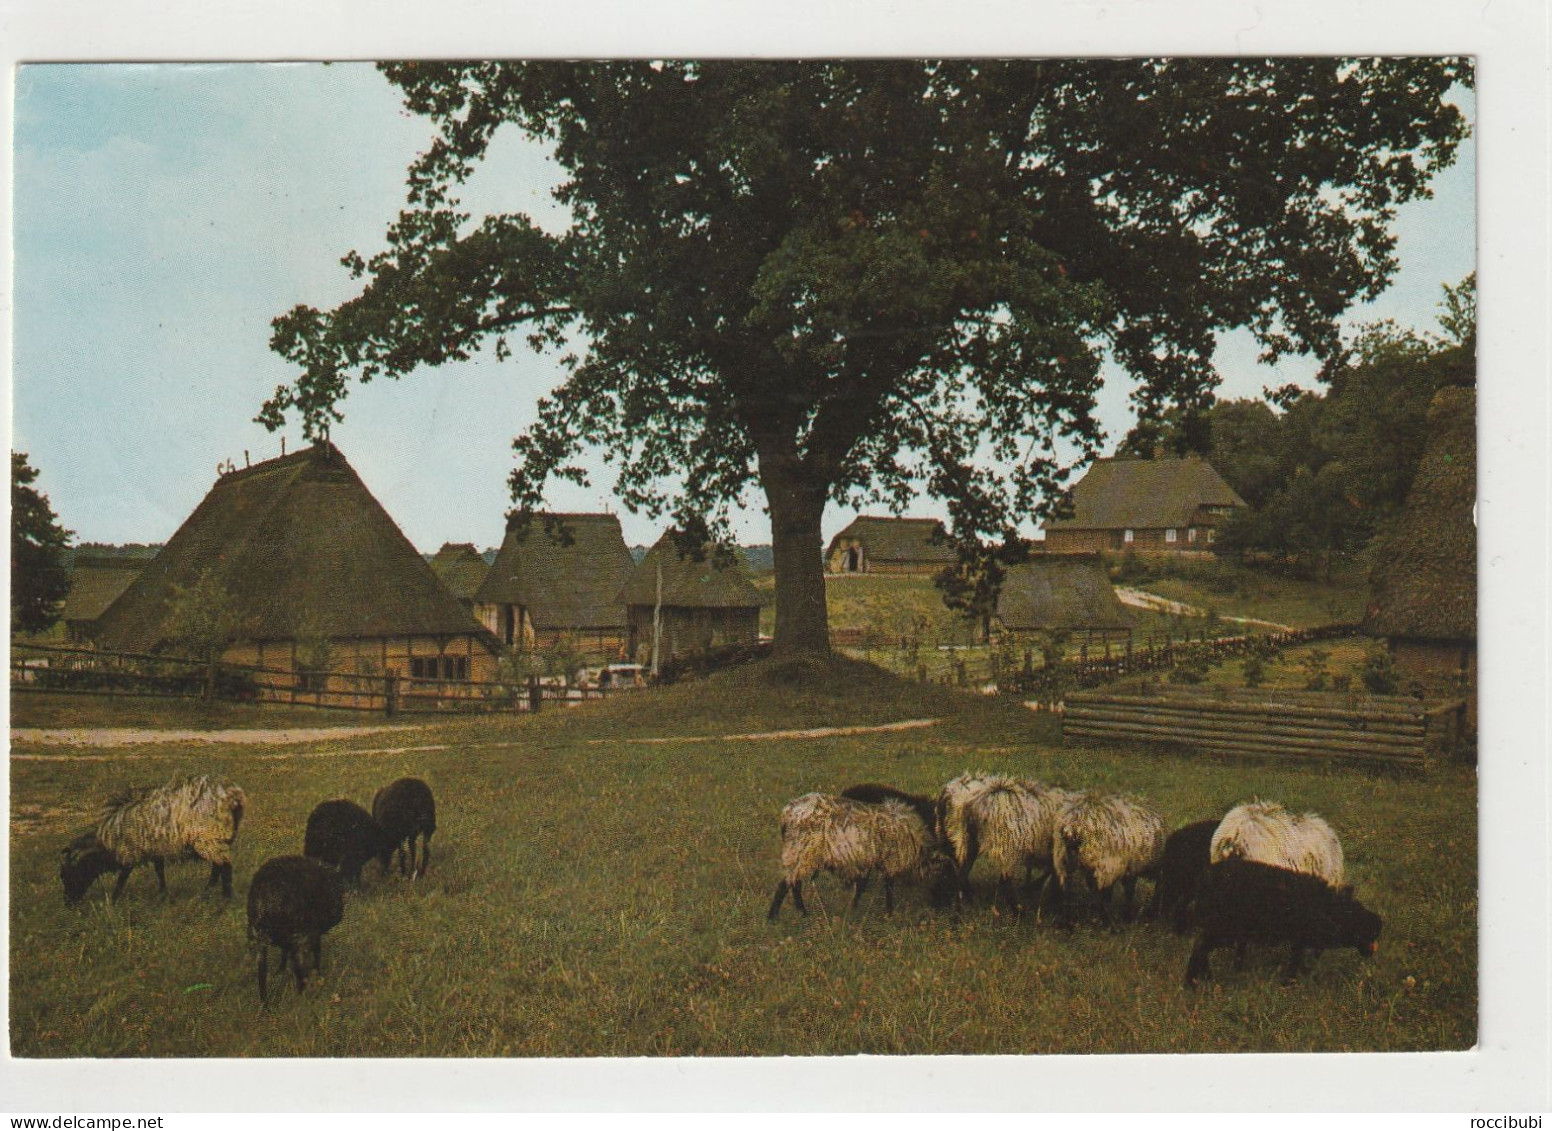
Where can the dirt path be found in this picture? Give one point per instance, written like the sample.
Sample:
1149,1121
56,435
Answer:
765,736
126,736
1141,600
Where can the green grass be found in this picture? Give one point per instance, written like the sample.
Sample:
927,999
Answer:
594,895
53,709
1231,590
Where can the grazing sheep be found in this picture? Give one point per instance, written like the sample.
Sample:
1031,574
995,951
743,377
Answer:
874,794
345,836
187,817
292,901
953,802
1012,824
1181,869
405,809
1243,902
852,839
1265,832
1104,838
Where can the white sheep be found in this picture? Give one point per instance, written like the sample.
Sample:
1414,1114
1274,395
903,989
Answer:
1011,823
853,839
1101,839
1266,833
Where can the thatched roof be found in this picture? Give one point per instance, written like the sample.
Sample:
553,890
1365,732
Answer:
1424,582
690,584
304,549
461,569
897,539
95,583
1145,494
1060,592
568,578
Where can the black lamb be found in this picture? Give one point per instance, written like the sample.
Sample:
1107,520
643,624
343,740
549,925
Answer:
345,836
872,793
292,901
1243,902
1180,873
405,809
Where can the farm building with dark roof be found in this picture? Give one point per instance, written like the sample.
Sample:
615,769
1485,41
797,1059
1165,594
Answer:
1062,593
305,553
559,577
1148,505
462,569
874,544
688,605
1423,586
95,583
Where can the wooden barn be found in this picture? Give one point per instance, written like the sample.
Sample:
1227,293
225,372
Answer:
309,562
688,605
1423,587
1147,505
462,569
95,583
1068,593
875,544
559,578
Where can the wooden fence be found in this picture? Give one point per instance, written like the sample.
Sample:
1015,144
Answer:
89,671
1388,729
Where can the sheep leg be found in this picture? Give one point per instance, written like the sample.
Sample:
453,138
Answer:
161,875
862,886
226,880
118,888
797,897
1241,954
264,975
1128,898
781,894
1294,966
1199,964
215,876
425,853
297,969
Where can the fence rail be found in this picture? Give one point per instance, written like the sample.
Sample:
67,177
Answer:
1369,728
88,671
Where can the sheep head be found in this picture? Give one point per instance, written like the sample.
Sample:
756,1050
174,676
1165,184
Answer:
80,863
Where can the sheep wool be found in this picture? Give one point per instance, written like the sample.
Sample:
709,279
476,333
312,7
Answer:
198,815
853,839
953,802
1013,823
1264,832
1109,837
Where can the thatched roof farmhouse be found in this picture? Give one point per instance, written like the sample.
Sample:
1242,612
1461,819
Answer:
304,551
702,603
462,569
95,583
1061,593
561,576
1169,505
875,544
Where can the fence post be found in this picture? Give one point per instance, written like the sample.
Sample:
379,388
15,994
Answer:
390,695
535,694
959,672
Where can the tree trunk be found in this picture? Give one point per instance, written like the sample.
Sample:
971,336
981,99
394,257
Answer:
797,505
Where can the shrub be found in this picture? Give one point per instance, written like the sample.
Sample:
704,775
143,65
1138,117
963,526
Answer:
1379,673
1254,668
1191,670
1316,675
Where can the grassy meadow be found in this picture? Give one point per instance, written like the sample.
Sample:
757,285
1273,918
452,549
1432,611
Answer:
592,893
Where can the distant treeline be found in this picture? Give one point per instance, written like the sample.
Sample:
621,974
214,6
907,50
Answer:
132,551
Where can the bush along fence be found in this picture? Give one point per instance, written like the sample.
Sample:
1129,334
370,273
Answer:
1391,730
1050,684
86,671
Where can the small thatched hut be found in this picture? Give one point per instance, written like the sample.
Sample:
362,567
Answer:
1068,593
873,544
305,558
95,583
559,578
1148,505
1423,588
699,604
461,569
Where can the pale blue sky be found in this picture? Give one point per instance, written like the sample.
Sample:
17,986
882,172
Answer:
164,214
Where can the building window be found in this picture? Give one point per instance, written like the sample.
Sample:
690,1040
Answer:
1127,537
439,667
1169,535
1211,535
1191,534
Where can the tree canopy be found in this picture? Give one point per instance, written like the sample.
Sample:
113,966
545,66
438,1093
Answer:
39,580
847,280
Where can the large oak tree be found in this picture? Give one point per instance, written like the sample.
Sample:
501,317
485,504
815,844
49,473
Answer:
840,280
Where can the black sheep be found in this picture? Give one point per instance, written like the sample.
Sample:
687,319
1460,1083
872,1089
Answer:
872,793
292,901
345,836
1186,857
405,809
1242,902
